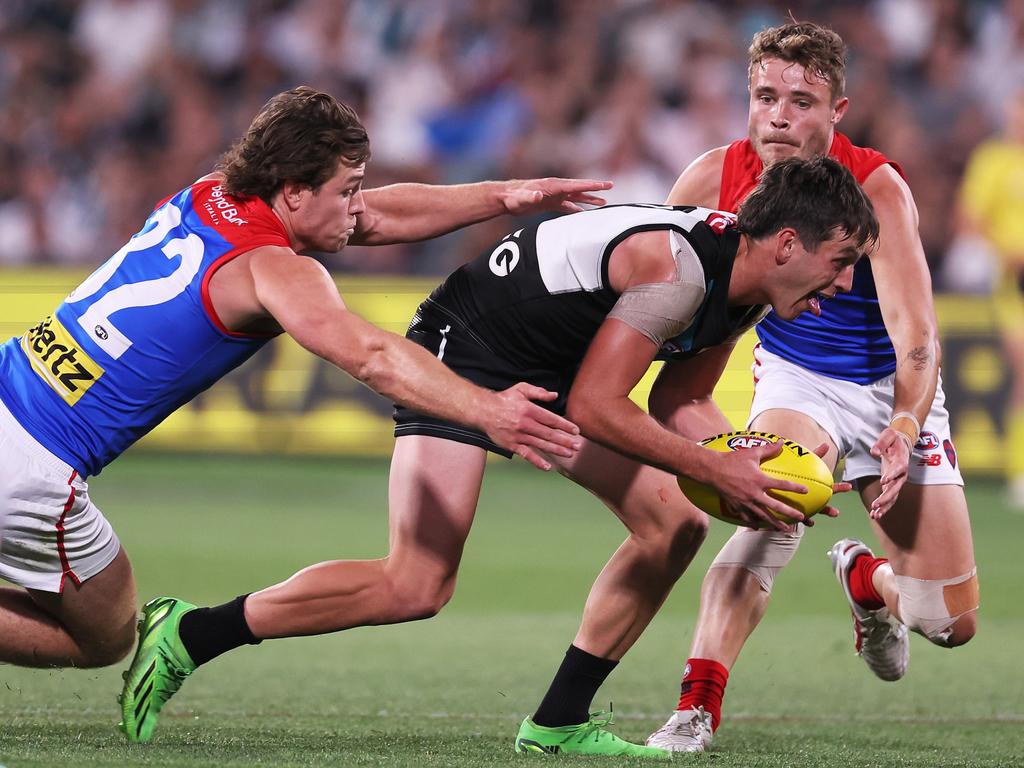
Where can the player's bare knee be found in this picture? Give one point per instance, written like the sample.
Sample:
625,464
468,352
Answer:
105,651
666,521
426,603
942,610
690,533
422,597
675,548
670,536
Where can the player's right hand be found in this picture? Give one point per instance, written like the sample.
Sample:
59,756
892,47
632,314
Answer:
520,425
744,488
895,450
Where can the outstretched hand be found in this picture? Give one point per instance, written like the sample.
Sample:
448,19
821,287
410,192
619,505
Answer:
551,194
895,451
520,425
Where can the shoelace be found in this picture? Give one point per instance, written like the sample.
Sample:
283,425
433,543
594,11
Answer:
877,632
691,729
171,670
878,640
871,628
695,723
597,724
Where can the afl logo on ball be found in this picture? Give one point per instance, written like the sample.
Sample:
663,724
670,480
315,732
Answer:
746,441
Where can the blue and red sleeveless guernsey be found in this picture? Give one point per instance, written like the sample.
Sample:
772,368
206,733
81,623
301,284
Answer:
848,341
139,337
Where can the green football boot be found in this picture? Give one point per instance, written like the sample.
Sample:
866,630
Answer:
160,666
589,738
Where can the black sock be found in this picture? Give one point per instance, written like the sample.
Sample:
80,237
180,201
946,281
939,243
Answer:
567,701
206,633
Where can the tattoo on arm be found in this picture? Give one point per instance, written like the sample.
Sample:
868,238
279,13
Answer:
919,357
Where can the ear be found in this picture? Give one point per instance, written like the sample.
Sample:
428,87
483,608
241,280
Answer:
839,109
785,243
292,193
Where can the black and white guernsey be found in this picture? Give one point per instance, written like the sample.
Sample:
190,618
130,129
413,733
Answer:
538,297
528,308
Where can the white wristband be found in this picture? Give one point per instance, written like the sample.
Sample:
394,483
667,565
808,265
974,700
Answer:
910,438
907,415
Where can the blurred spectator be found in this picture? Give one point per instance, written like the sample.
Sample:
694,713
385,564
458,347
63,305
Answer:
108,105
992,208
122,39
998,54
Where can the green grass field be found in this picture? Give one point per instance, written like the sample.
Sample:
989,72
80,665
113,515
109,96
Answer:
451,691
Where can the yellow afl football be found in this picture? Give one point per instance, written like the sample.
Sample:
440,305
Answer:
795,463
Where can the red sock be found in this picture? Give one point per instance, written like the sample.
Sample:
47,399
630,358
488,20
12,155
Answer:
703,685
862,589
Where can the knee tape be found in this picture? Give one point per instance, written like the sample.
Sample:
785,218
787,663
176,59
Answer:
762,552
930,607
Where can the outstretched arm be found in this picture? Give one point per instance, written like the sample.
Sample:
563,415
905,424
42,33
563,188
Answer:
905,299
402,213
300,295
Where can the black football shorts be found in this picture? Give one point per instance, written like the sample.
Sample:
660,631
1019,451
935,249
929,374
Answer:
472,357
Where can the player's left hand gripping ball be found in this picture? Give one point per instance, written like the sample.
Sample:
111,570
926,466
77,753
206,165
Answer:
794,462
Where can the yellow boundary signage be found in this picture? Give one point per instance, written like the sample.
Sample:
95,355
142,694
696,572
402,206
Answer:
285,400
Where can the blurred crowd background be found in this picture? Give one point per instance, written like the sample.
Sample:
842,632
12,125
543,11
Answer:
108,106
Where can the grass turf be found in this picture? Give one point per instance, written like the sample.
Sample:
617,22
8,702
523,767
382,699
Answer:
451,691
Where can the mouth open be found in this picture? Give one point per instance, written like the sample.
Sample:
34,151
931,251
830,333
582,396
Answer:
814,301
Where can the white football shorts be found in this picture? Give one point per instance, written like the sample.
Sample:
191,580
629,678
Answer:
50,531
854,415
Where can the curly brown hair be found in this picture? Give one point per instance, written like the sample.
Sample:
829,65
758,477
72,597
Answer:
819,50
300,135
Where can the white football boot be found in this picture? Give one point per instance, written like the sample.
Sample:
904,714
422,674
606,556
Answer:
879,638
688,730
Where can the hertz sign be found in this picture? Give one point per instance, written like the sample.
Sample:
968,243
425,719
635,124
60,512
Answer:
285,400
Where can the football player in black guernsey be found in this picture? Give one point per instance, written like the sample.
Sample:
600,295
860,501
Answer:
582,305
